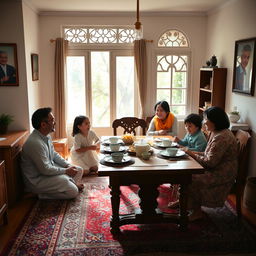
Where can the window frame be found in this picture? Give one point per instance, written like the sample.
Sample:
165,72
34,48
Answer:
78,50
175,51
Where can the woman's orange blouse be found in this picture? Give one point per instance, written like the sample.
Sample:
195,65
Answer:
164,124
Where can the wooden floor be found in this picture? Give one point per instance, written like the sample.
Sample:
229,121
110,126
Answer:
15,217
21,209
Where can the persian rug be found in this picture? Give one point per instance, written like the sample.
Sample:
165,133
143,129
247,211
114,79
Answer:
82,227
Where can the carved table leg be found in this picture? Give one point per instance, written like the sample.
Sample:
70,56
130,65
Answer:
183,207
115,202
148,195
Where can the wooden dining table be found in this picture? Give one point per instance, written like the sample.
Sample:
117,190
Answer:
149,175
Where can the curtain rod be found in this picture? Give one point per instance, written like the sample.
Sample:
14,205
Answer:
147,41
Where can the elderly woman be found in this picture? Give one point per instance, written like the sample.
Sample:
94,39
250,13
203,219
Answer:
220,161
164,122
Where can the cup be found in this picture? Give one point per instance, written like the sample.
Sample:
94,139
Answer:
113,139
145,155
172,151
166,142
114,146
117,157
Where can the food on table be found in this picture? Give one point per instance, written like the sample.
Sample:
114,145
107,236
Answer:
128,138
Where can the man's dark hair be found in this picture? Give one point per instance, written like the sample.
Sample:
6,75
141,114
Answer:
194,119
164,104
78,121
39,116
217,116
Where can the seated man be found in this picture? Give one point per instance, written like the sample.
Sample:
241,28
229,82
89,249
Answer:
45,172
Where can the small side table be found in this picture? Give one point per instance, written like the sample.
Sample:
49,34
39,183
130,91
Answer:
239,126
61,146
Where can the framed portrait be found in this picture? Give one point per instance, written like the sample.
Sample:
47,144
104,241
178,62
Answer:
8,65
244,66
35,67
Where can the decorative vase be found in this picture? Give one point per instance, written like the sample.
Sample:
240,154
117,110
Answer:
233,118
213,61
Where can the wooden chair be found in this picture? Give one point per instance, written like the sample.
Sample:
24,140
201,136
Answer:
243,141
148,120
129,124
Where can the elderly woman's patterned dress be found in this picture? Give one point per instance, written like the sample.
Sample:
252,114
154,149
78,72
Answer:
220,161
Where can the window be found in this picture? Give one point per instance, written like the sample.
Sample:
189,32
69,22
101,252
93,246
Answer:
100,74
172,71
100,35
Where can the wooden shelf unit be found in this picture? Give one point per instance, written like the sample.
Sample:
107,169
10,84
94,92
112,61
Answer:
10,149
212,87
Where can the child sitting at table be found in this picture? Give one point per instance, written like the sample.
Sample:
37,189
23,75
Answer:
86,142
195,139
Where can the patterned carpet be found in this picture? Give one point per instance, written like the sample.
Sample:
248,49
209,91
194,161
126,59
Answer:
81,227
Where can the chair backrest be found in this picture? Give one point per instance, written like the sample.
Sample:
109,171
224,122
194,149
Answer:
129,124
243,139
148,120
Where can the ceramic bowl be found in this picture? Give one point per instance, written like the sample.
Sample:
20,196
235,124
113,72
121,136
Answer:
145,155
114,146
117,157
166,142
113,139
172,151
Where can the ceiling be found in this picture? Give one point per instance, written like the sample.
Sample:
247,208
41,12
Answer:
125,5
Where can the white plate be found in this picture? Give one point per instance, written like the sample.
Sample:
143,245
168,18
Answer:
109,159
160,144
107,142
107,149
166,154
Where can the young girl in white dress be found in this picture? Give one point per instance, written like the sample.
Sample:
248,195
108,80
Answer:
86,142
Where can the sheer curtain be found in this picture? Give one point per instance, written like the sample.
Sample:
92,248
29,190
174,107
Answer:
141,71
59,88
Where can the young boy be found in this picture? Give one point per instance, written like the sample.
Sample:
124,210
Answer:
194,139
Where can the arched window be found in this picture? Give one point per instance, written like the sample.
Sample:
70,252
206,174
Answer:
172,71
173,38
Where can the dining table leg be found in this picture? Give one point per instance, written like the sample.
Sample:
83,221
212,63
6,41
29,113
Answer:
148,194
115,203
183,206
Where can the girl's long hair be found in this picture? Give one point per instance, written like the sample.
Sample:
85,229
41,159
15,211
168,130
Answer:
78,121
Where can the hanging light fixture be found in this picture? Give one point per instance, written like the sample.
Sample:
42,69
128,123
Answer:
138,25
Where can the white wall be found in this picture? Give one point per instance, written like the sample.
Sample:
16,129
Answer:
234,21
13,99
193,26
31,35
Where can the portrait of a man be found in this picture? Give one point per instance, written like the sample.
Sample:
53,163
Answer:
8,65
244,66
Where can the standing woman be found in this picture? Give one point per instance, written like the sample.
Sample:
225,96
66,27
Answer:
164,122
220,162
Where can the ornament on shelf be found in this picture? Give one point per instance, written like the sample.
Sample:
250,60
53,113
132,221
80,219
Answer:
234,115
211,63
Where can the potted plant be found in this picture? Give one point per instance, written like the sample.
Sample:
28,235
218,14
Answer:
234,116
5,120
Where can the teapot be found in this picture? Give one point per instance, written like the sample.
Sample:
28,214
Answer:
141,147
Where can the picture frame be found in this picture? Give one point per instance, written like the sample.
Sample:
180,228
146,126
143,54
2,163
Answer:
8,65
35,66
244,66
